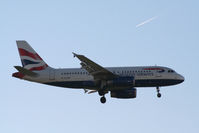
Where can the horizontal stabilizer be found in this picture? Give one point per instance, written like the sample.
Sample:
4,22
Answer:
26,71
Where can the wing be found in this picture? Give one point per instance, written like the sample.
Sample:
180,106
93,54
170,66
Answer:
97,71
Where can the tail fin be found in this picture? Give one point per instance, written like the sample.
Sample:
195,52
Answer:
29,58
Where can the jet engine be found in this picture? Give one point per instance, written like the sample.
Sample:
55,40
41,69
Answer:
128,93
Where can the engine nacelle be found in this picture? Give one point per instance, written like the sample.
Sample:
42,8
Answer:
128,93
121,82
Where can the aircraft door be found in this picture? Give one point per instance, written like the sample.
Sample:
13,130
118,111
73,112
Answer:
52,75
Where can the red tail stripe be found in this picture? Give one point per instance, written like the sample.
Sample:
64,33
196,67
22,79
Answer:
38,68
23,52
18,75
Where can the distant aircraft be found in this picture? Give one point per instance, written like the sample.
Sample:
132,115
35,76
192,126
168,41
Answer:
120,81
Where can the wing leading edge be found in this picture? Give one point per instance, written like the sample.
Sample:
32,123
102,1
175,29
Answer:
97,71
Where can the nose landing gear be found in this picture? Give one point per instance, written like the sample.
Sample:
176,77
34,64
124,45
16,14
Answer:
103,99
158,91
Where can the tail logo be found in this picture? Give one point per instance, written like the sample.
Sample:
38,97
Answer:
29,58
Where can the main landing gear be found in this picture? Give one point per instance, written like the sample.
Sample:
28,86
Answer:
103,98
158,92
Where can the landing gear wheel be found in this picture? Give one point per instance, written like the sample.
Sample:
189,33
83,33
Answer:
159,95
158,91
103,99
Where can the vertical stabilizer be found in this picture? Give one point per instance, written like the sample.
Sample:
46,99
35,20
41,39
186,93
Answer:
29,58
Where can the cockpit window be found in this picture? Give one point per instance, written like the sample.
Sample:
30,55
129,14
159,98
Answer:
171,71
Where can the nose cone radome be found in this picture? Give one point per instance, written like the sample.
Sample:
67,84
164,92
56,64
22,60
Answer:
181,78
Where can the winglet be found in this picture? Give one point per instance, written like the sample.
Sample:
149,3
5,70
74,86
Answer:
74,54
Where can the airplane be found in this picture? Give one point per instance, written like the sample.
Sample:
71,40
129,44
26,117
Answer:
121,82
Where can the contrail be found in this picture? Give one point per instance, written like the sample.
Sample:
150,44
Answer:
146,21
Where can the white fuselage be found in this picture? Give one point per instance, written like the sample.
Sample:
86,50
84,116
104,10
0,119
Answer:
120,81
152,76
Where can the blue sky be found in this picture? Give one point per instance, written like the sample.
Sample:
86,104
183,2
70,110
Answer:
105,31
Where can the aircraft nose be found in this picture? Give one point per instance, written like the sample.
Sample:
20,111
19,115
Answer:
181,78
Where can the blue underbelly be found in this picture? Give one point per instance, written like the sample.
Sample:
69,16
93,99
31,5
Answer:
93,85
